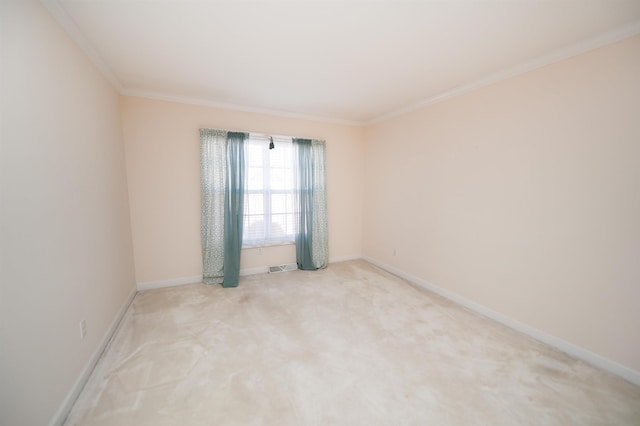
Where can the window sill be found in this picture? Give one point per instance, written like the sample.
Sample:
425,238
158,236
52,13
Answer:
259,246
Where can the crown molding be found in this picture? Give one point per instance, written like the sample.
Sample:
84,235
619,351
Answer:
556,56
149,94
63,18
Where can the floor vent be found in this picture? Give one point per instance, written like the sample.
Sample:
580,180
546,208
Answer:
283,268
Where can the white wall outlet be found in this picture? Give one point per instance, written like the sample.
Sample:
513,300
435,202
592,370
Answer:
259,251
83,328
394,251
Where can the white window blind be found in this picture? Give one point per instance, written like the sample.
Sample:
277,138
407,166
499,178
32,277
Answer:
270,199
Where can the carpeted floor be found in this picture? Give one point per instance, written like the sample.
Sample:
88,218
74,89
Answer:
349,345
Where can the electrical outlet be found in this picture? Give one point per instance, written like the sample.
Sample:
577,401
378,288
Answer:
83,328
394,251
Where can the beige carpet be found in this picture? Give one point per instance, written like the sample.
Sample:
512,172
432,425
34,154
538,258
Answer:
349,345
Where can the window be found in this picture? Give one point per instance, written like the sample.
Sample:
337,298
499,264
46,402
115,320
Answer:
270,208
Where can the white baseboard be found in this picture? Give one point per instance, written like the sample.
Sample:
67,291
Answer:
344,258
150,285
254,271
594,359
62,413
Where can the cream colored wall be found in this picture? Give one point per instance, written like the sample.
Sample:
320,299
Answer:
524,197
163,164
66,244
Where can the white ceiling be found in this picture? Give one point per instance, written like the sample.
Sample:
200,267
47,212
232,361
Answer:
355,61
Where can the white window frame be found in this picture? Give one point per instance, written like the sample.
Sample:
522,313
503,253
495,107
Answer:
267,193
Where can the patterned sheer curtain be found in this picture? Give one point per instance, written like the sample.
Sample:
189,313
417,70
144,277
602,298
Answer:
213,171
312,247
222,186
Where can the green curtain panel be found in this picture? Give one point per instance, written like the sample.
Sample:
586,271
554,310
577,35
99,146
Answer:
304,236
222,172
312,237
234,207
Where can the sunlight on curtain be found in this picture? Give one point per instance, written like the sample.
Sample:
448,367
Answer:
312,250
320,242
213,171
222,183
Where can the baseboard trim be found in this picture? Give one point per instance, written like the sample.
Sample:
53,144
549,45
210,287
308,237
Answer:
174,282
579,352
254,271
151,285
338,259
65,408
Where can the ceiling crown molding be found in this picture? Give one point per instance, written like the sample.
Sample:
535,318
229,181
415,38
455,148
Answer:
148,94
64,19
590,44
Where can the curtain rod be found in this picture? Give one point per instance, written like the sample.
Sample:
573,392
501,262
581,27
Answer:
266,136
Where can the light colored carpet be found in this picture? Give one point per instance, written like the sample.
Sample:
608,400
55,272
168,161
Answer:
349,345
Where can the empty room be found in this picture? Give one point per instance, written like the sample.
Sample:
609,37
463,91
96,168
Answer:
319,212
